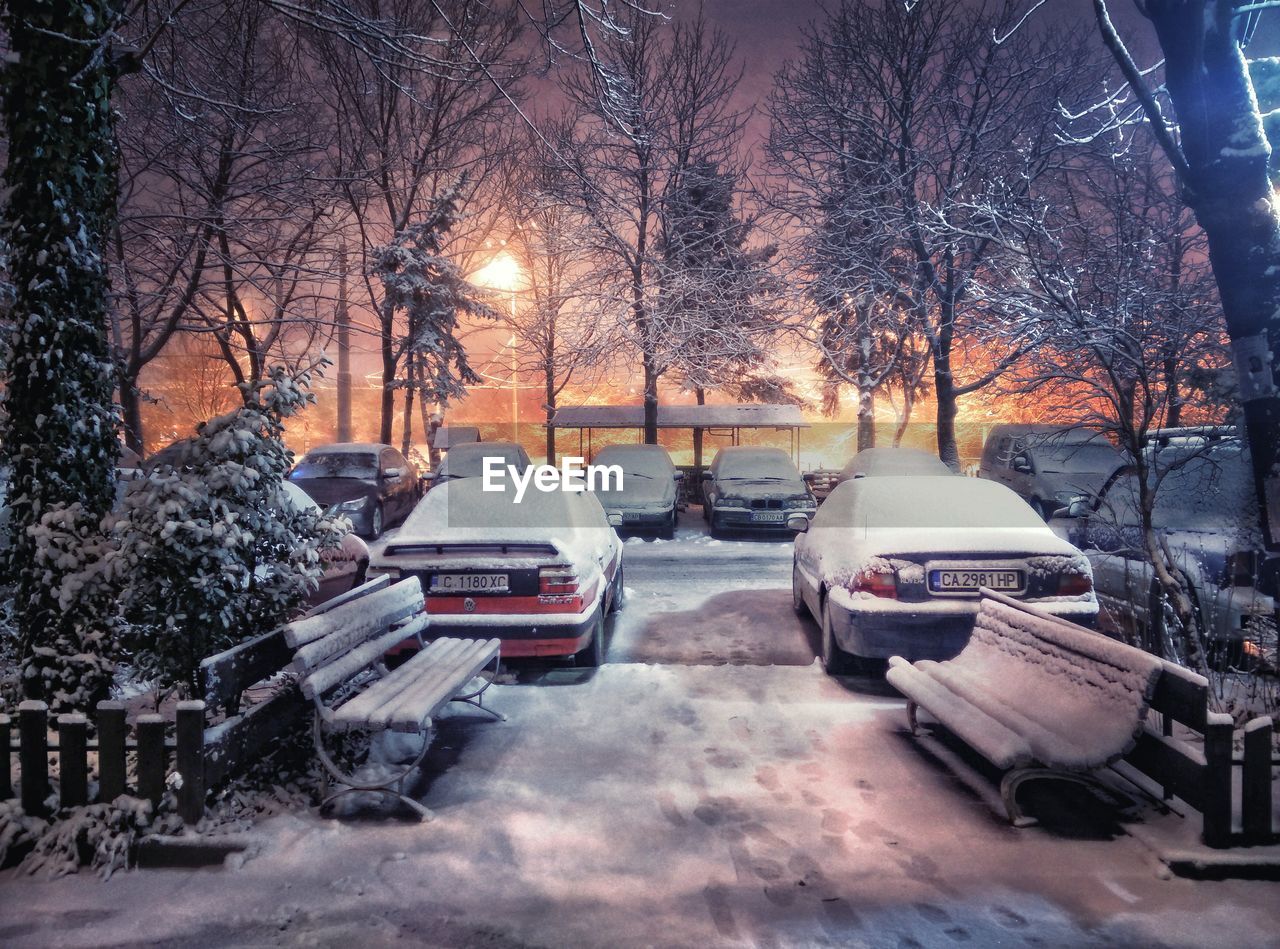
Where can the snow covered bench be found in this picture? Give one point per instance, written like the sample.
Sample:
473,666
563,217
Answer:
1038,696
332,652
337,651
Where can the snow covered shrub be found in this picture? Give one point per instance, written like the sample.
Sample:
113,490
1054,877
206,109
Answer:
210,554
101,836
17,828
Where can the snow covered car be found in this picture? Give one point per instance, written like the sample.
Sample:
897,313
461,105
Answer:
646,499
344,566
1206,514
1049,467
878,462
540,574
892,566
467,460
372,484
751,488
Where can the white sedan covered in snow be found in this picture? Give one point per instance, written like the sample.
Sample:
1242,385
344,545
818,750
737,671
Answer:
892,566
540,573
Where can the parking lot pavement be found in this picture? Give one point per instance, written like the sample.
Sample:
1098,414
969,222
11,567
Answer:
675,798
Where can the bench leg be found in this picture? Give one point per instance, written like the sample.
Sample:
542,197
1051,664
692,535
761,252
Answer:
1013,781
354,785
476,699
913,721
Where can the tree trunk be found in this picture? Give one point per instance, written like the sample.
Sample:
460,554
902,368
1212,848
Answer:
945,390
1227,186
131,415
701,395
388,406
650,402
549,374
866,418
406,436
342,318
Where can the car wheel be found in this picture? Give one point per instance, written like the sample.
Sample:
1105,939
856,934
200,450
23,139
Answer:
619,591
669,532
835,661
1165,638
362,572
592,655
797,595
375,522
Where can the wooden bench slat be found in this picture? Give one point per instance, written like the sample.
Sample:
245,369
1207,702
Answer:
360,707
430,693
225,675
350,664
358,630
984,734
396,602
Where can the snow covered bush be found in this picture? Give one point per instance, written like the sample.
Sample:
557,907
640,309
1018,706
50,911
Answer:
208,554
101,836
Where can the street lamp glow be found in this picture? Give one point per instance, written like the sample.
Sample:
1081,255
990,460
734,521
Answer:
501,273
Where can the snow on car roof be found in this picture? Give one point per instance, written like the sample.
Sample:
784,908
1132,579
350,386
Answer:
891,461
942,501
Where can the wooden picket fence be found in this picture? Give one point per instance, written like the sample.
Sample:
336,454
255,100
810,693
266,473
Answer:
152,747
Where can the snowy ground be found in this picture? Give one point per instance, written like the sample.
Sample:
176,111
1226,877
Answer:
710,786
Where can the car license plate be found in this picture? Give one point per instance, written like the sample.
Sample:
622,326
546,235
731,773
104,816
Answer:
769,517
968,581
469,583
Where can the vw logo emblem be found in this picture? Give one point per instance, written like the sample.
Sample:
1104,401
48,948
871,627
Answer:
469,605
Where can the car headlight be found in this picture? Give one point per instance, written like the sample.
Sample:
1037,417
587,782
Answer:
730,499
356,504
799,503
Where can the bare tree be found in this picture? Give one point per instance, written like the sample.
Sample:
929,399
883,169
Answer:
1124,276
631,141
406,132
940,122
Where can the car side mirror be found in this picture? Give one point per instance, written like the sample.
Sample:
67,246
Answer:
798,523
706,476
391,473
615,520
678,476
1079,507
809,477
1021,464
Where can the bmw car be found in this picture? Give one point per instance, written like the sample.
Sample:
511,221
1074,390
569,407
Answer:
754,489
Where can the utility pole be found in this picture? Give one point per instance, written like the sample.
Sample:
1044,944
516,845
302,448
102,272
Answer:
342,319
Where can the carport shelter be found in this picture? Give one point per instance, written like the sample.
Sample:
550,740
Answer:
725,421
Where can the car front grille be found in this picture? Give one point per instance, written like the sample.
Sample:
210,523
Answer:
760,504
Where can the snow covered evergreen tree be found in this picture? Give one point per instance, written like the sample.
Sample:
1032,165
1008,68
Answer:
57,426
209,553
430,289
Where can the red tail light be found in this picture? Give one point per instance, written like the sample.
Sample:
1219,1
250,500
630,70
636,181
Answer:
557,580
877,584
1074,584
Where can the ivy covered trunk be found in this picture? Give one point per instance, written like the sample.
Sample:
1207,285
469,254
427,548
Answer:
57,427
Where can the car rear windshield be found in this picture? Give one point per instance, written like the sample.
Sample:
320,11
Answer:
337,465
